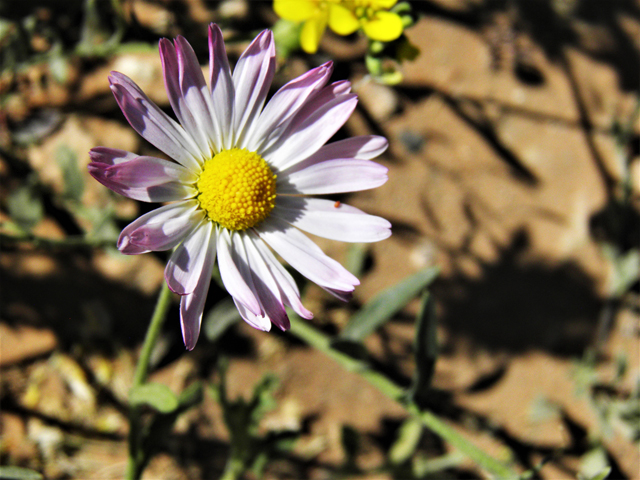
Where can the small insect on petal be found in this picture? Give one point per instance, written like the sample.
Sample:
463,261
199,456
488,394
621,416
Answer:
337,204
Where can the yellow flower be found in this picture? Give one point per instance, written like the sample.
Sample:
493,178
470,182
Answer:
342,16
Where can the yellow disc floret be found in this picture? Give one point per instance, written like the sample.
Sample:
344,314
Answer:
237,189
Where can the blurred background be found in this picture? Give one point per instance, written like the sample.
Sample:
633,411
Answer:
513,167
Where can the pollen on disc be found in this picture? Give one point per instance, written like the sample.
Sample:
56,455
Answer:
237,189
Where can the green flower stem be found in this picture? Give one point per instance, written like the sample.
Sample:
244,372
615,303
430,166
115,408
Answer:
304,331
234,468
137,456
155,327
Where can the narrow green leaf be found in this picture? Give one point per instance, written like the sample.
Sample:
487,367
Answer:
407,441
626,272
19,473
263,400
259,464
386,304
401,7
219,319
154,395
426,350
320,341
603,474
594,464
423,467
191,396
356,257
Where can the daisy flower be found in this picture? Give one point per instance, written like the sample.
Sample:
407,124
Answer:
241,181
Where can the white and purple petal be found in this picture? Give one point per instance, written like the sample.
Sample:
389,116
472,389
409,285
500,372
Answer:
196,96
110,156
169,61
153,124
188,260
259,322
284,105
221,88
320,98
339,294
332,176
266,287
147,179
252,78
233,273
160,229
364,147
327,219
311,133
171,70
305,256
287,285
192,305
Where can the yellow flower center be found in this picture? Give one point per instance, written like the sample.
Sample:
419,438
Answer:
237,189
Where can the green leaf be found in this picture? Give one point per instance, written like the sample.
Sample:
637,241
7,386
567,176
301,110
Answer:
219,319
427,467
19,473
155,395
99,37
259,464
603,474
401,7
73,180
626,272
391,77
103,224
286,34
386,304
373,63
191,396
356,257
263,400
407,442
25,205
407,51
59,65
594,465
426,350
